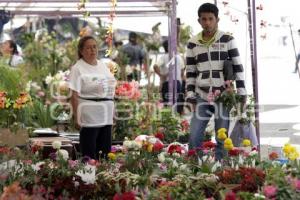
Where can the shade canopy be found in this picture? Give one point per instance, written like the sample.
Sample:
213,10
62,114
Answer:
100,8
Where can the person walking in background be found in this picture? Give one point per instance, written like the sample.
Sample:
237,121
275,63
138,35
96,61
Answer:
298,58
136,56
205,56
162,70
93,88
10,53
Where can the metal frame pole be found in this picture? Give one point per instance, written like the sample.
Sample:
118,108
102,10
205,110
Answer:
172,53
253,49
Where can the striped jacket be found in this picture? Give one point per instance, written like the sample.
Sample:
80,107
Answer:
204,66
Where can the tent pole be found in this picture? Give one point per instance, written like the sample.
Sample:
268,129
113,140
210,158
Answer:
253,49
172,53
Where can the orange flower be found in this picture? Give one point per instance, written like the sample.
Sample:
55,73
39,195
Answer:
273,155
2,99
21,100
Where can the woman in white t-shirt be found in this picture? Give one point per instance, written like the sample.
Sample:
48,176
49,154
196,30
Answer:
93,88
10,53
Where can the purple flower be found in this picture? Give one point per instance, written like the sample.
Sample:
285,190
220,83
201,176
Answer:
53,156
85,159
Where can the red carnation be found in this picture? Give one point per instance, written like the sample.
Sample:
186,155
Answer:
234,152
159,135
191,152
230,196
208,145
158,146
124,196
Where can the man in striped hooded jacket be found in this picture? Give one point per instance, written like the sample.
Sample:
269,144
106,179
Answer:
205,56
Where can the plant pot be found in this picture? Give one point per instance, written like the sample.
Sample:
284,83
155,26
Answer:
7,138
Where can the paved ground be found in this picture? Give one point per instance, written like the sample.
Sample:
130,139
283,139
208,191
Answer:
279,97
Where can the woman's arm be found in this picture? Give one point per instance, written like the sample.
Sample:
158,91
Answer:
74,102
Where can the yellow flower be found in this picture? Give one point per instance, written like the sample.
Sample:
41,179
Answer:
293,155
228,146
287,148
222,130
112,156
246,143
222,134
150,147
228,141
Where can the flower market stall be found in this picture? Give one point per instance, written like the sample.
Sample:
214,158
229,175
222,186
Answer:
150,158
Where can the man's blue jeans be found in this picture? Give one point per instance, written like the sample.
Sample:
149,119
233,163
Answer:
199,121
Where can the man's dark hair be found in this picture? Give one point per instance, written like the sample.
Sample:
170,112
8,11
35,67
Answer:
165,45
208,8
132,35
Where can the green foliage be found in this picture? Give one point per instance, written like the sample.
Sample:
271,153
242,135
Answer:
43,116
277,177
185,34
11,80
169,121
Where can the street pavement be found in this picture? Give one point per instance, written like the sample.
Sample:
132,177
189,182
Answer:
279,99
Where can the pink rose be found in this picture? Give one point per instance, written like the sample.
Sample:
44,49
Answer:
270,191
297,184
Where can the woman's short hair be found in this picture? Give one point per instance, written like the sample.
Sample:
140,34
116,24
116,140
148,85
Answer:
81,44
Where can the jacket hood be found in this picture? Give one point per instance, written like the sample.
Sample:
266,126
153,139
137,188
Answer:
195,39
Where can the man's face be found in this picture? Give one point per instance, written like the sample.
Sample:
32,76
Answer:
209,22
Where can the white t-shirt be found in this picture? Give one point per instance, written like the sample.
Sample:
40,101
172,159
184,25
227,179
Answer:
164,63
93,82
15,60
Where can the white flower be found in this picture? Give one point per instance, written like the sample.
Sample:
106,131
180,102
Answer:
35,86
161,157
28,86
174,164
253,153
253,163
183,167
216,166
136,145
152,140
257,195
48,79
37,166
241,160
56,144
64,153
127,144
59,76
88,175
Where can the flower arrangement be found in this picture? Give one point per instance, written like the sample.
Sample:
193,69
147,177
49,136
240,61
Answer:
128,91
13,111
